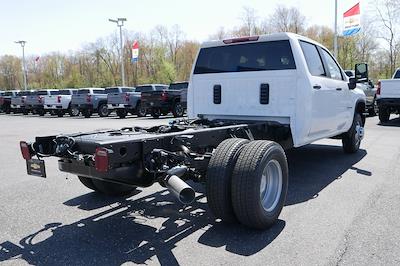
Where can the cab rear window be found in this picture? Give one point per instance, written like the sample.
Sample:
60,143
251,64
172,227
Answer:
397,75
260,56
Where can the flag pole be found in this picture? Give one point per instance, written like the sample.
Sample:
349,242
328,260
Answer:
335,40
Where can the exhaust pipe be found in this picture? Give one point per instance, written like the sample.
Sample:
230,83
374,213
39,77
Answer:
177,186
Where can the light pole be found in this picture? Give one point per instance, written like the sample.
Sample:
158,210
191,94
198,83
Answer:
120,23
335,40
22,43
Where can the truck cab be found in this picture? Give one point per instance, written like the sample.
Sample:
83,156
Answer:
281,78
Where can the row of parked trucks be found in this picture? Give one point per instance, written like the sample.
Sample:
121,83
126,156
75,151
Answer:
156,99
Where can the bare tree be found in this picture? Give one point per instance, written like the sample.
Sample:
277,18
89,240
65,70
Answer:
287,20
388,16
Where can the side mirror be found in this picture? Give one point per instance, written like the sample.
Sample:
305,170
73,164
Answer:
352,83
361,71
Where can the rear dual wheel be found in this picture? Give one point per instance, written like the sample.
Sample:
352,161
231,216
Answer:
247,182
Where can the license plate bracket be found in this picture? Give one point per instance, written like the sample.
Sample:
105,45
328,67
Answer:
36,167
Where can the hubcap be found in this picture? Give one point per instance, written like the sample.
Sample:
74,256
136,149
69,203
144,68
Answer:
271,185
359,133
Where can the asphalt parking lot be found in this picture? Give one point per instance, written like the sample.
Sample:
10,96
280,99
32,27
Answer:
341,209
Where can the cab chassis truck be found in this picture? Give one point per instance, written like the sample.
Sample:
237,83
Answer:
244,113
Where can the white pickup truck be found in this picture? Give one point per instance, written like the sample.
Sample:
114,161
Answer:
250,99
59,102
388,96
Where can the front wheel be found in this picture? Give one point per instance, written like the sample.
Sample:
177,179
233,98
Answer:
178,110
122,113
384,114
260,184
103,110
352,139
41,112
141,110
155,112
73,111
86,113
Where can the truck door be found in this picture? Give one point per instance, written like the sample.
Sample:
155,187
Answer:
325,97
337,82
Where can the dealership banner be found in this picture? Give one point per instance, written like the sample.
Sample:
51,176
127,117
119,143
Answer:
352,21
135,51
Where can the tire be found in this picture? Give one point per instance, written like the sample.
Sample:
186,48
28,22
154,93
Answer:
87,113
141,110
112,189
53,112
155,112
41,112
25,112
178,110
73,111
122,113
384,115
87,182
60,113
352,139
219,178
103,110
374,109
259,163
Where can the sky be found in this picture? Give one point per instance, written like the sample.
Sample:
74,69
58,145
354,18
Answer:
55,25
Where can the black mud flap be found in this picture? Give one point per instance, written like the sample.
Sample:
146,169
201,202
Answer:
36,167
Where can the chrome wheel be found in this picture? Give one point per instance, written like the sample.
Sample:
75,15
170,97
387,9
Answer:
359,134
271,185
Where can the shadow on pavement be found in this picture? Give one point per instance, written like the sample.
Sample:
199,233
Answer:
314,167
129,230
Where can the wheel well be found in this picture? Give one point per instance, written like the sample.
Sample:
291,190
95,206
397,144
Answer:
361,109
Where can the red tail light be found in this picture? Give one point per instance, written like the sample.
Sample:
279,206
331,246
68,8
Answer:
40,98
101,159
26,153
378,90
164,96
127,97
89,98
23,99
59,99
242,39
1,100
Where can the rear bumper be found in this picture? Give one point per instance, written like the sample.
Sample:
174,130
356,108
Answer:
389,102
124,175
53,107
84,106
157,104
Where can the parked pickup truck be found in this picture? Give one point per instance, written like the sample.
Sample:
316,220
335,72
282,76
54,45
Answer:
18,102
249,99
118,99
1,101
91,100
5,100
165,99
34,102
388,96
370,93
59,102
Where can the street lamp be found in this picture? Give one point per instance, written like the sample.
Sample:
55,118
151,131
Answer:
22,43
120,23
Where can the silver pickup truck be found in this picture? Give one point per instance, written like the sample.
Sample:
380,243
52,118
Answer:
130,102
91,100
35,101
117,98
18,102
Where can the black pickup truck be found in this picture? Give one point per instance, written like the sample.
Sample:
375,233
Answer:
166,100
